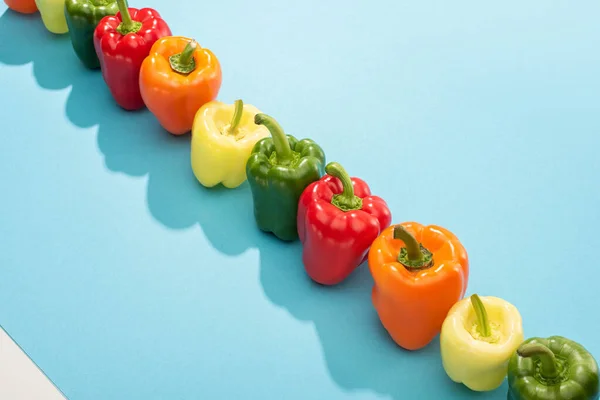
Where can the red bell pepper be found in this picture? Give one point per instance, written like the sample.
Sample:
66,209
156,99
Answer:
338,219
122,42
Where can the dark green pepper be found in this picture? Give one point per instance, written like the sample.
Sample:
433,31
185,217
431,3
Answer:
553,368
279,168
82,18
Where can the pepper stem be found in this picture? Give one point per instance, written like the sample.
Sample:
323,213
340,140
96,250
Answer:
184,62
345,201
483,324
544,354
127,25
280,141
413,255
237,116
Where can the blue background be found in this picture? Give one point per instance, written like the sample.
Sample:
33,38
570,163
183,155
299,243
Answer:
123,278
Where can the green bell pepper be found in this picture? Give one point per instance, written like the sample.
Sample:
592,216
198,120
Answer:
553,368
82,18
279,168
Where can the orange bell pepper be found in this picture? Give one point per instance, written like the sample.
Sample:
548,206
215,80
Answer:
176,79
420,272
22,6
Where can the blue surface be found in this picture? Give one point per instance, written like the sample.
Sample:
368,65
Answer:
123,278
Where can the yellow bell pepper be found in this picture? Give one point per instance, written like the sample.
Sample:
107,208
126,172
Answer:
223,136
478,337
53,15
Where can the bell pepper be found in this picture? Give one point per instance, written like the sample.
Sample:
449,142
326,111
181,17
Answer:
22,6
338,219
82,17
553,368
419,273
122,42
279,168
53,15
223,136
176,79
478,337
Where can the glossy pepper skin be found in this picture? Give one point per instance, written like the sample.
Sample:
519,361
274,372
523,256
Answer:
22,6
223,136
478,337
176,79
420,272
279,168
553,368
122,42
82,17
53,15
338,219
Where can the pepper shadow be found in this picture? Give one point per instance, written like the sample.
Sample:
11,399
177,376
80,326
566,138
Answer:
25,40
134,144
177,200
358,351
55,66
214,210
90,102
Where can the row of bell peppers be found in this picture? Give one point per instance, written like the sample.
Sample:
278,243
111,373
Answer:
420,272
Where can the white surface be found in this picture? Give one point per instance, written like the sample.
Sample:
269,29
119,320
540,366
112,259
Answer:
20,378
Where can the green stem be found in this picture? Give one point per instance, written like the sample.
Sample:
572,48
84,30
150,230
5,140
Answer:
345,201
123,9
237,116
413,248
187,55
184,62
544,354
482,318
280,141
413,255
127,25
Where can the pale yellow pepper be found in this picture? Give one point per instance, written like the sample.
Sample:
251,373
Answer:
223,136
53,15
478,337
